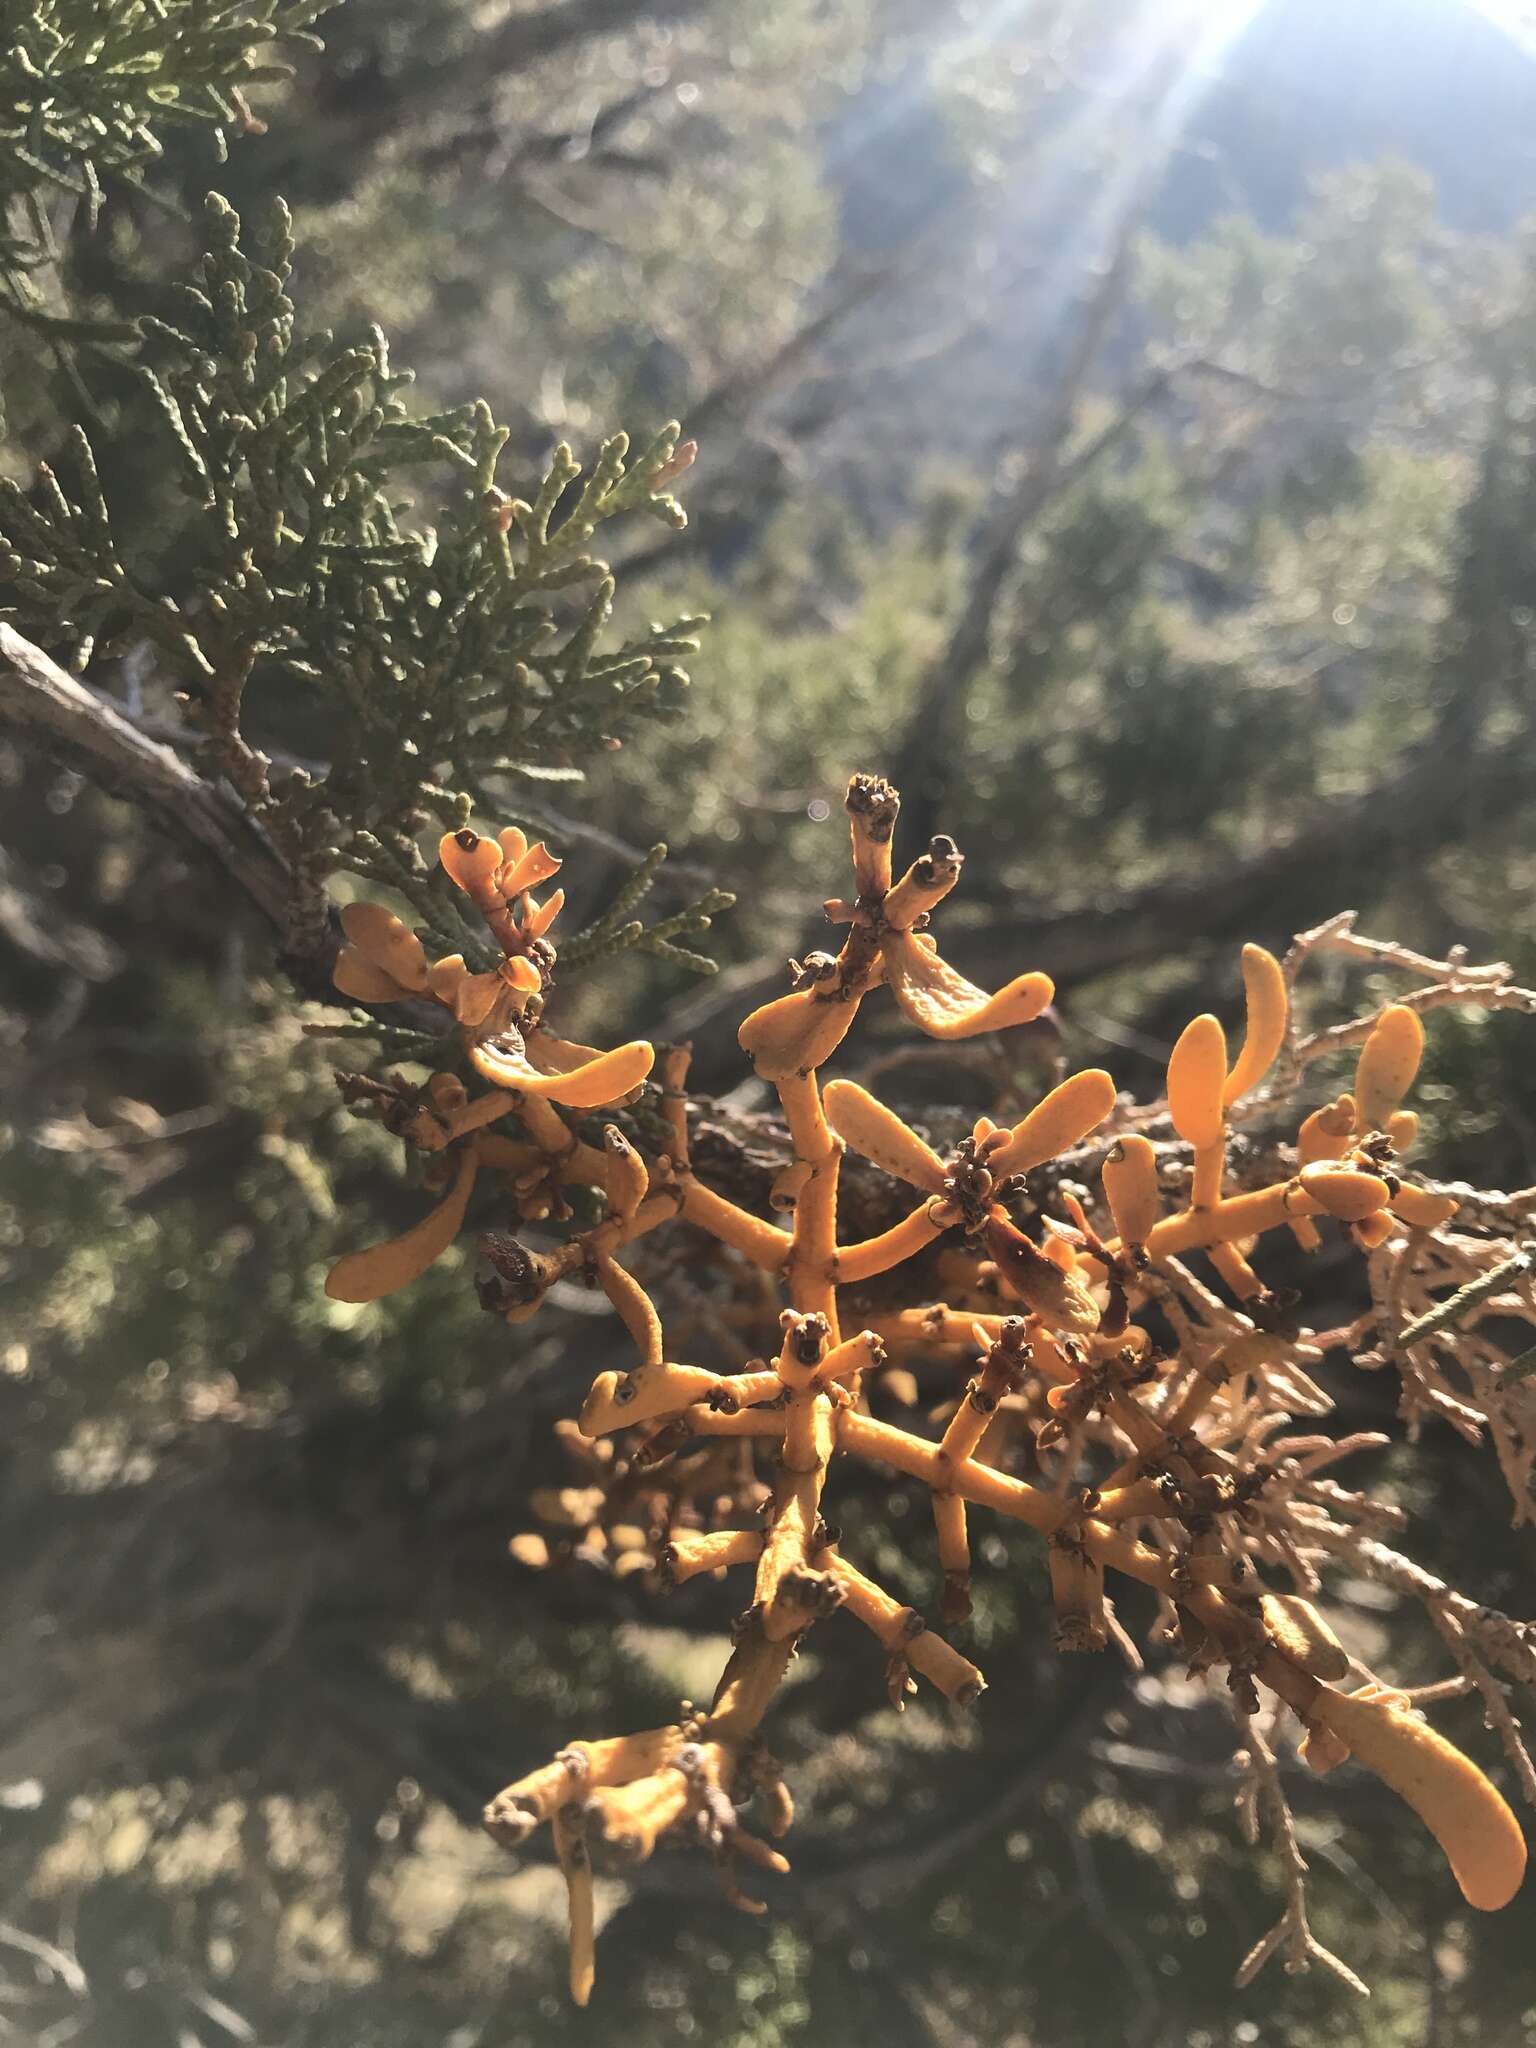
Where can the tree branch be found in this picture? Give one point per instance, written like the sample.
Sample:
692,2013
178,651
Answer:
41,703
1393,828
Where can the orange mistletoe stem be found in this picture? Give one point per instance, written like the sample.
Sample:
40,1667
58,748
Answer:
813,1245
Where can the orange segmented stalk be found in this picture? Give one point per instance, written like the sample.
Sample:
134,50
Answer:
616,1760
1236,1271
627,1182
1056,1123
1237,1217
1389,1059
945,1005
1344,1192
808,1437
1462,1810
789,1037
576,1868
949,1527
923,887
1130,1188
630,1819
503,1060
689,1553
879,1134
905,1634
387,941
355,975
892,1247
1268,1013
636,1310
810,1266
847,1360
762,1242
1210,1165
385,1268
872,806
1425,1211
1302,1633
1077,1593
1197,1074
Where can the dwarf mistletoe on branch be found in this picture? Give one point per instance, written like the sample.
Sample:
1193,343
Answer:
1130,1411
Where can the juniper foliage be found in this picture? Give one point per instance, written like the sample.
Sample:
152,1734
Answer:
430,660
86,86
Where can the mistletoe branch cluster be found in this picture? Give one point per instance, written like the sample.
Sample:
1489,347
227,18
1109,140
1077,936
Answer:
1082,1291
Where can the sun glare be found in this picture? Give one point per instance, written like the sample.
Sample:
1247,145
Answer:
1516,20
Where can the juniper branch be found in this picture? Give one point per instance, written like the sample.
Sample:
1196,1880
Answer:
1451,1312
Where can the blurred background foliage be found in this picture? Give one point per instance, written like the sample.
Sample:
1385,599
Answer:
1117,425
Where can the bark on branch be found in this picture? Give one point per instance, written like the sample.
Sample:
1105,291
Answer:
67,721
